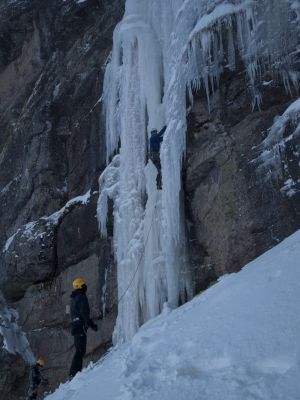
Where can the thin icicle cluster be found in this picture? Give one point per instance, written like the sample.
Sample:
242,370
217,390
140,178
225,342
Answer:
285,129
164,50
15,340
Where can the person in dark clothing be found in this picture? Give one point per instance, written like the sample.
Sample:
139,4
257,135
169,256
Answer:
81,321
154,148
35,379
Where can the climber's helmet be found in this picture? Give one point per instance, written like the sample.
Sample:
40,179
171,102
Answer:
153,131
40,362
79,283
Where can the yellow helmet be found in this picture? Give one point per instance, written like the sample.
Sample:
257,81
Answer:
40,362
78,283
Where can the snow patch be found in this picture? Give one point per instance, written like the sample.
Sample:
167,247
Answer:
55,217
31,233
56,90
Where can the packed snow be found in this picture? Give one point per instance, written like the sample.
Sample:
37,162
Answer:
237,340
163,51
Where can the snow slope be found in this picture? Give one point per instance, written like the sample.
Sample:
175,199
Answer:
239,340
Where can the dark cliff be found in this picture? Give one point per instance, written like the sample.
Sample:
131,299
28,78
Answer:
52,149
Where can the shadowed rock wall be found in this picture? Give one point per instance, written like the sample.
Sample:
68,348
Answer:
235,210
52,149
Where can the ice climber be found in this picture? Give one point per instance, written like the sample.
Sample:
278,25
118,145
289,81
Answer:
80,314
154,148
35,379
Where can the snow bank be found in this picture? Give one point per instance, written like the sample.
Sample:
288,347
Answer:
237,340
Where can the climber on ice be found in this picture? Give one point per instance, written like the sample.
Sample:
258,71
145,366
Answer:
35,379
81,321
154,148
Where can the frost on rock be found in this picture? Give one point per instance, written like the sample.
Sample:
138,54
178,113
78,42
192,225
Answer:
284,131
14,338
163,51
55,217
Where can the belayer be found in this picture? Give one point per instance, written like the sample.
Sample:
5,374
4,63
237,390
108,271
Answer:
154,148
81,321
35,379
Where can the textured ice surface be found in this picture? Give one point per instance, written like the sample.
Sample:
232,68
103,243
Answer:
164,50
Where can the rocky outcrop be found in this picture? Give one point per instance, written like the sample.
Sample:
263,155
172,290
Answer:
52,58
11,376
235,210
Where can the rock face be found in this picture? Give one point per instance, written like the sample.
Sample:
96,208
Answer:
235,210
52,58
11,376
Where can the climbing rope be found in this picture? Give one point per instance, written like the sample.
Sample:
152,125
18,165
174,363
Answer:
139,263
137,267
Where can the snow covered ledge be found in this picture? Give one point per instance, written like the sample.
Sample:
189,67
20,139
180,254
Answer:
29,255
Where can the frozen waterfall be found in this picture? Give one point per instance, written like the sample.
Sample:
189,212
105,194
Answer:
163,51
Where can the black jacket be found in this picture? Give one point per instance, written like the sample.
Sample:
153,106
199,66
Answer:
34,376
80,312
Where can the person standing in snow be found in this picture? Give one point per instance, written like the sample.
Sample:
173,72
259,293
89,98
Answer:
154,148
80,314
35,379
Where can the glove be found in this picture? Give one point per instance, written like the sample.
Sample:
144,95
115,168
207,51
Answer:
94,326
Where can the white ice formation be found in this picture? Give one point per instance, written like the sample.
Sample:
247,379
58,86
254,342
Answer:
163,51
282,138
14,338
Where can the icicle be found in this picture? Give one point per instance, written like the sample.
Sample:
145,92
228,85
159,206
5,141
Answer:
109,189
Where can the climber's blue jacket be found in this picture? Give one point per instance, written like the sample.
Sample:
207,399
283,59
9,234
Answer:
155,140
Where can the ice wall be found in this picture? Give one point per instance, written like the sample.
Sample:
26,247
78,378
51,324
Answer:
163,51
